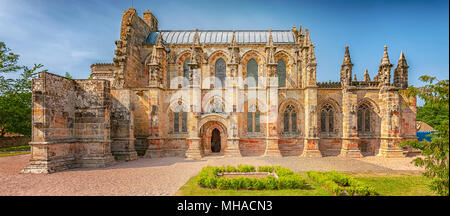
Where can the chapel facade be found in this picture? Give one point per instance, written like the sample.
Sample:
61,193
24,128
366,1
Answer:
194,93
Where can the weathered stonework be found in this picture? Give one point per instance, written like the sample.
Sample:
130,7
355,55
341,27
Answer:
185,94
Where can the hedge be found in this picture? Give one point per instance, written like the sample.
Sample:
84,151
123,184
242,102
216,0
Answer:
286,178
335,182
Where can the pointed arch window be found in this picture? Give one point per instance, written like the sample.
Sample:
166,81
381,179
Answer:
290,120
327,118
252,73
253,119
220,73
364,118
179,120
281,73
186,72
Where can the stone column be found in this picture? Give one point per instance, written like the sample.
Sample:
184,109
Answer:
232,148
311,143
193,140
154,140
272,148
390,123
122,121
349,124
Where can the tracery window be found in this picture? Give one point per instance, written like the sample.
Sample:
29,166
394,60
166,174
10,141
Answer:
220,73
186,72
253,119
281,73
290,119
364,118
252,73
327,118
179,119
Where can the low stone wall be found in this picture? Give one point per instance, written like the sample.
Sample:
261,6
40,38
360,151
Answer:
14,141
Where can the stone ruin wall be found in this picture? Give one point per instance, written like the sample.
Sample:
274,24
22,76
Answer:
71,121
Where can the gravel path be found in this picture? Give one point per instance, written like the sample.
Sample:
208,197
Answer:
162,176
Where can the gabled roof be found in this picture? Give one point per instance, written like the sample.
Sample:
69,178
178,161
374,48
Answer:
222,36
422,126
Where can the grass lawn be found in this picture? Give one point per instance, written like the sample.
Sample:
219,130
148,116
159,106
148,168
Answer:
6,154
398,185
16,148
386,185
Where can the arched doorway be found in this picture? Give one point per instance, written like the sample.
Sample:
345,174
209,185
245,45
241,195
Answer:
213,135
215,140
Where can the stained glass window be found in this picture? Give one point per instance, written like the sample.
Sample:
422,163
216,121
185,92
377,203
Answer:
250,122
220,73
186,72
184,122
327,118
281,73
252,73
290,119
257,124
176,122
364,118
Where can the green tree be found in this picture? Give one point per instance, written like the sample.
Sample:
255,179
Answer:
435,153
432,114
15,94
68,75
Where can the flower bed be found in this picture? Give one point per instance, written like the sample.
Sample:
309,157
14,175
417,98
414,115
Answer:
341,184
210,177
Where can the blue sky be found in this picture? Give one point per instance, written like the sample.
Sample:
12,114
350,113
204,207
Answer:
70,35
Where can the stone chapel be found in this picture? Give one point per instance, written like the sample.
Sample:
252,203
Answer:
194,93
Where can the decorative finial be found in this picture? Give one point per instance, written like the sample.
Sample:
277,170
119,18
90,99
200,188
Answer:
366,77
385,59
347,58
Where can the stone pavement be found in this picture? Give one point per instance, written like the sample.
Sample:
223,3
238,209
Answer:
163,176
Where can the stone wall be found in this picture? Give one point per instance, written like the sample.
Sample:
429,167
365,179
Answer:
70,124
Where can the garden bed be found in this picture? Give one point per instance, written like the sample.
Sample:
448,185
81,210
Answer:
246,177
341,184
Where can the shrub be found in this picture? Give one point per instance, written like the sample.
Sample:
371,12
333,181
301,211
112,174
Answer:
245,168
230,169
281,171
265,169
287,179
271,183
329,180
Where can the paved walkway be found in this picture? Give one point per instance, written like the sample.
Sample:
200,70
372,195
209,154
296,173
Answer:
162,176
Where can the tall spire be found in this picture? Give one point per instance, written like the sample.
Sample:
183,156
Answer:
366,77
347,59
385,59
159,42
312,55
270,40
384,71
307,40
346,69
270,50
401,72
300,36
402,60
154,58
233,39
196,39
